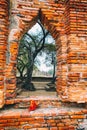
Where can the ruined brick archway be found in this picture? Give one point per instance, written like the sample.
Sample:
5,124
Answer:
64,20
21,22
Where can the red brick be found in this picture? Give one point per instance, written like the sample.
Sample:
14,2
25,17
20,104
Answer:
43,128
54,128
63,128
77,116
60,124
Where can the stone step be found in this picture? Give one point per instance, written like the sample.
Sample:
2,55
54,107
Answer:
41,101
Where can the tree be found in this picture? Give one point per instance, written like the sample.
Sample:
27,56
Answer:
29,48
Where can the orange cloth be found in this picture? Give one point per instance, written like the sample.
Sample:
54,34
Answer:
33,105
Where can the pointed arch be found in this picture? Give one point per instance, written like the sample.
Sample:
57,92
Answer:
23,17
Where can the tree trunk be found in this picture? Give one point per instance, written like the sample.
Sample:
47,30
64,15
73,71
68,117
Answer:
28,85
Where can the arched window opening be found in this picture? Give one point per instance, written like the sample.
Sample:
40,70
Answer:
36,62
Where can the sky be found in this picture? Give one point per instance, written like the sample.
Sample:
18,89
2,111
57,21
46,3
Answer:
43,66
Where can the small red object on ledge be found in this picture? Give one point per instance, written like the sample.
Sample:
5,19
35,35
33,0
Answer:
32,106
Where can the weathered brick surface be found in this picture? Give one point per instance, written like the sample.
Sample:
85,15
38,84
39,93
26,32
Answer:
67,22
59,119
72,65
3,45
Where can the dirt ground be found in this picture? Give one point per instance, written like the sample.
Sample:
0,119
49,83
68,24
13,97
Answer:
40,90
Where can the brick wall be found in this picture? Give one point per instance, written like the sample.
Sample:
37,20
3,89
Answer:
77,51
47,119
67,23
4,4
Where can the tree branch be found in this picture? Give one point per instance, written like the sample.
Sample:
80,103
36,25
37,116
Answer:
32,40
42,39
